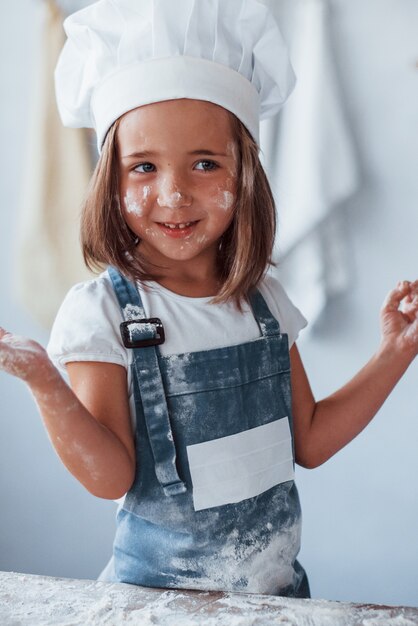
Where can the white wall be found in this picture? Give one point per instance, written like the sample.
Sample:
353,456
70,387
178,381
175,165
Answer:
361,508
48,523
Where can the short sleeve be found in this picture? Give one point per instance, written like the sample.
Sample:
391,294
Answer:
288,315
86,327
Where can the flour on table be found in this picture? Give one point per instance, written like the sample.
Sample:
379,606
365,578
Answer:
28,600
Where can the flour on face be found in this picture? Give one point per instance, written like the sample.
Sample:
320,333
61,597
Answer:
132,205
168,200
226,199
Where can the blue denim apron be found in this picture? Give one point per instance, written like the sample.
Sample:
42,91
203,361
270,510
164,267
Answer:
213,505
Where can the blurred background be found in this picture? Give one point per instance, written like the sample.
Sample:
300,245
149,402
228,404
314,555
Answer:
343,160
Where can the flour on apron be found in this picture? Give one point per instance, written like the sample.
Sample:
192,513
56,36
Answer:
203,419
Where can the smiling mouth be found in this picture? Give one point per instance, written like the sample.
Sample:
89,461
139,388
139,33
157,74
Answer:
179,226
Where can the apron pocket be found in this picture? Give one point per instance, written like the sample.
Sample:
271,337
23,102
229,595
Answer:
231,469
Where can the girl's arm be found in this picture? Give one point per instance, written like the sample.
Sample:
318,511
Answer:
322,428
89,426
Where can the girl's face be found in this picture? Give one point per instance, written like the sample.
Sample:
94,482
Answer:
178,172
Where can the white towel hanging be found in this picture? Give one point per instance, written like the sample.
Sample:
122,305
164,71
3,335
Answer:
310,158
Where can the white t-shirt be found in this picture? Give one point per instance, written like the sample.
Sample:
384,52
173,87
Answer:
87,324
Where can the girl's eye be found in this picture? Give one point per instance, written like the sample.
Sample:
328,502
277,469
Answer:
145,168
206,166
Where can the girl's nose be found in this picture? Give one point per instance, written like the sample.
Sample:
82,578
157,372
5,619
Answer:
172,195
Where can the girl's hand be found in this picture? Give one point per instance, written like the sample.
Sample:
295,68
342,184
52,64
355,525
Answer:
24,358
399,318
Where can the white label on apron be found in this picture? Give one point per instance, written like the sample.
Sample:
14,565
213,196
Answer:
241,466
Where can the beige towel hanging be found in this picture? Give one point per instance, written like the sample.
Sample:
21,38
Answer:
59,165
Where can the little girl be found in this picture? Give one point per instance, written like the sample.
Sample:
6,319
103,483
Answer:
188,397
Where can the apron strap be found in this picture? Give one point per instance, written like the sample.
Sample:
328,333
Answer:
268,324
150,386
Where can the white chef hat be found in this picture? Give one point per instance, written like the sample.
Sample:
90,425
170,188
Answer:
121,54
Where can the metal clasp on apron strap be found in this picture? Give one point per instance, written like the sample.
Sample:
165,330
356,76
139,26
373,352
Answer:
142,336
132,332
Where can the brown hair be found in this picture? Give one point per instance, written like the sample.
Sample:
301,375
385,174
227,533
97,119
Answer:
245,248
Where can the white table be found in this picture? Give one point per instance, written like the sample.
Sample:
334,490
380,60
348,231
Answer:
29,600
